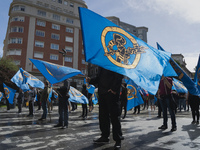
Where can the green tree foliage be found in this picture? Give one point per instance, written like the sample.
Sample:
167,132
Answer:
7,70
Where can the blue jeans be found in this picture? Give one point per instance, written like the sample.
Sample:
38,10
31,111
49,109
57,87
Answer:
166,103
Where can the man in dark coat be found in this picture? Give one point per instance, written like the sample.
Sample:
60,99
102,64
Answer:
109,84
63,105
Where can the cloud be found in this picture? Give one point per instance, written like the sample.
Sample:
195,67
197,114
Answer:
185,9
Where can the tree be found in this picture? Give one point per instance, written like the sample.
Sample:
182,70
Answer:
7,70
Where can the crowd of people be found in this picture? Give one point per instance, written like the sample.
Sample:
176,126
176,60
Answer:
112,101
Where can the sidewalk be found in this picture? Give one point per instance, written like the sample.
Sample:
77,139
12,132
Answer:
141,132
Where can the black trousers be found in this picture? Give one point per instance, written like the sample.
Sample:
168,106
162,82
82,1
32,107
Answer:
110,112
63,112
31,107
195,111
84,110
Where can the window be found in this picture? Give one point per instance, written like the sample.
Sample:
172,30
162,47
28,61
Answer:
17,29
68,49
39,44
17,62
83,61
38,54
71,4
83,71
41,13
68,59
65,2
53,57
14,52
40,33
70,30
68,20
41,23
56,17
17,18
54,46
55,26
55,36
18,8
69,39
60,1
15,40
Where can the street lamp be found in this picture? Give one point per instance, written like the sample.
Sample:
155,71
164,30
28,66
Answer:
64,53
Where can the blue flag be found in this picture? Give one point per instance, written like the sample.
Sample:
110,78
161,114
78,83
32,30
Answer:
94,99
31,80
197,75
111,47
188,83
18,80
76,96
55,73
133,96
90,87
9,93
1,95
178,86
168,71
50,95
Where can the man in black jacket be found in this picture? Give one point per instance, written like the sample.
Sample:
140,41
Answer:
109,84
63,105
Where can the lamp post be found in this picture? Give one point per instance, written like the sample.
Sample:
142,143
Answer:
64,53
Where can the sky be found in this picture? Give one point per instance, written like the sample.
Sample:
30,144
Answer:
174,24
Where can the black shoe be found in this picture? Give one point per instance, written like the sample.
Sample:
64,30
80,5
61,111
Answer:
158,116
41,119
84,117
173,129
64,127
101,140
30,115
58,125
117,145
197,122
163,127
193,122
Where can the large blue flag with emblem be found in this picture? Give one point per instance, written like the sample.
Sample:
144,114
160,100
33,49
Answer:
18,80
31,80
1,95
178,86
111,47
55,73
197,75
76,96
187,81
133,96
9,93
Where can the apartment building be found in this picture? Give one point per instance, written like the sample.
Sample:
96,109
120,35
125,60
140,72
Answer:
39,29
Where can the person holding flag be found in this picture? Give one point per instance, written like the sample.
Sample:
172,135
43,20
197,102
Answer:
44,100
84,106
109,84
31,98
20,100
63,96
164,94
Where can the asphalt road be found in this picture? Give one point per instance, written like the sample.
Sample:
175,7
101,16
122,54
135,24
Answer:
141,132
